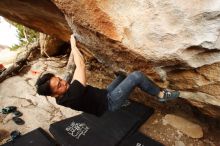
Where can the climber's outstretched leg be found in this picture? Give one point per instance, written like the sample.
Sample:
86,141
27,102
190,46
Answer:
118,95
116,82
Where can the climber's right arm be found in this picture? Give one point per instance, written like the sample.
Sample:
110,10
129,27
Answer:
80,71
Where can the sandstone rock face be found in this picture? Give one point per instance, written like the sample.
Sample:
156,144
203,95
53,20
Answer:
176,43
191,129
43,16
50,45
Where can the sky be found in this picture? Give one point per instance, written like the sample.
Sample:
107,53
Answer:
8,37
8,34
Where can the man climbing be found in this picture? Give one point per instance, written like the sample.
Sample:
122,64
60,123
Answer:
79,96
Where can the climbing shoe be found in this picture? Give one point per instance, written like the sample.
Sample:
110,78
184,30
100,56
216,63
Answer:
9,109
17,113
15,135
18,121
169,95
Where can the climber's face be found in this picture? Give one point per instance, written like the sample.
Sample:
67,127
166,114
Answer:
58,86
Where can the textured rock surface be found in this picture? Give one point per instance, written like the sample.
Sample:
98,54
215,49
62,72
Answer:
49,45
175,42
42,15
187,127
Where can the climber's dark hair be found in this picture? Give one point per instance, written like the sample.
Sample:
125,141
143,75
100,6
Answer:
43,84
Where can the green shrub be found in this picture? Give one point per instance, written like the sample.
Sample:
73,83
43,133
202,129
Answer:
25,36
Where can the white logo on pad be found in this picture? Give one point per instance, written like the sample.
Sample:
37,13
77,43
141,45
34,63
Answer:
139,144
77,129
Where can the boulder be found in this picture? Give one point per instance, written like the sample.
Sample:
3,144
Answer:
50,45
187,127
176,43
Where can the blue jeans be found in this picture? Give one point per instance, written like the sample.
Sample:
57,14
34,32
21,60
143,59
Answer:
120,89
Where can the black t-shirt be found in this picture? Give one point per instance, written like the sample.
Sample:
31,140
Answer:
88,99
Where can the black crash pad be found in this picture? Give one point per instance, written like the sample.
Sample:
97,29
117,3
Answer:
138,139
107,130
37,137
